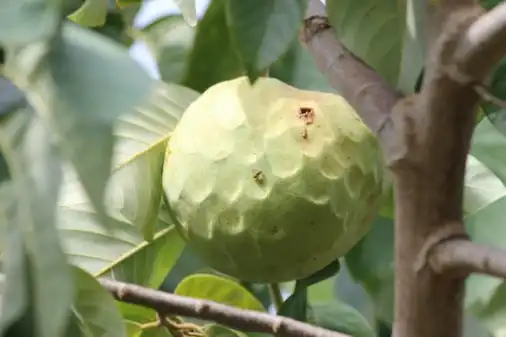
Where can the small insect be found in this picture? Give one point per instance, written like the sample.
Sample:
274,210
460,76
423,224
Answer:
307,115
259,177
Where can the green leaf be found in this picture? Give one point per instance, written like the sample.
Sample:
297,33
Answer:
26,21
128,12
482,187
296,305
133,198
297,68
81,104
92,13
489,4
387,35
495,113
170,41
187,8
371,264
218,289
11,98
17,292
216,330
25,325
133,329
136,314
96,308
327,272
127,3
340,317
213,57
321,291
260,291
485,295
75,327
155,332
162,253
188,263
481,288
116,27
191,263
34,165
488,146
263,30
348,291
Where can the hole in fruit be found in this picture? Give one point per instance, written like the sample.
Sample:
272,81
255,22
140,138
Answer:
306,114
259,177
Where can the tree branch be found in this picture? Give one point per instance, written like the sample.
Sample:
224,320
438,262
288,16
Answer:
244,320
360,85
429,177
483,45
465,257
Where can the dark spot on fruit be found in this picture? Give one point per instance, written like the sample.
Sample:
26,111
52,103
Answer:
274,230
259,177
307,115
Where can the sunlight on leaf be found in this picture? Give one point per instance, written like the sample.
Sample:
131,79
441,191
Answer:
482,187
133,198
92,13
219,289
488,146
187,8
81,104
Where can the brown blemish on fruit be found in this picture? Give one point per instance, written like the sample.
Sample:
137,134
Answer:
307,115
304,133
259,177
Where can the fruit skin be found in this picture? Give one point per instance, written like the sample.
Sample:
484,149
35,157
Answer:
265,193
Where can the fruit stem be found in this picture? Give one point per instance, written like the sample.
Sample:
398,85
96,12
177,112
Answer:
276,296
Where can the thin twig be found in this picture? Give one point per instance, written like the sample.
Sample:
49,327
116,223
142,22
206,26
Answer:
244,320
468,257
275,293
369,94
488,97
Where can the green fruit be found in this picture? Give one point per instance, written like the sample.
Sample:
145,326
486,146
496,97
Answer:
269,183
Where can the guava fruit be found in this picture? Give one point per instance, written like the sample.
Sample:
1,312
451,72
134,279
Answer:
270,183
